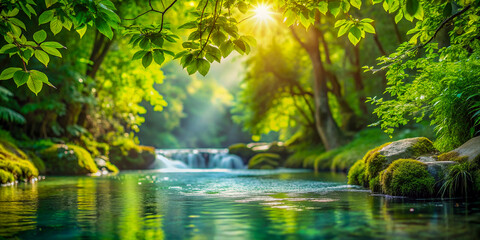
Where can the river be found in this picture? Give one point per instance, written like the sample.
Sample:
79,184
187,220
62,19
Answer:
224,204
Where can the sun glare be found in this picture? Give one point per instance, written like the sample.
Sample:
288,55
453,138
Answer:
262,13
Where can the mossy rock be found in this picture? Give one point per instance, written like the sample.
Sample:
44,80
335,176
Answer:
241,150
374,183
38,162
379,158
469,151
104,164
127,156
278,148
15,164
356,174
264,161
407,177
68,159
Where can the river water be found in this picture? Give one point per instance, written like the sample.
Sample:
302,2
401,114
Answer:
224,204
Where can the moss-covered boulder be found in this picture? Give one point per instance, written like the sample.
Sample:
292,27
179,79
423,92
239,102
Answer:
469,151
15,164
411,148
131,156
68,159
356,174
264,161
407,177
241,150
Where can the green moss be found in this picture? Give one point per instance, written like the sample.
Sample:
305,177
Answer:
241,150
423,146
68,159
111,168
264,161
374,165
374,184
374,151
356,174
15,162
6,177
407,177
460,180
452,156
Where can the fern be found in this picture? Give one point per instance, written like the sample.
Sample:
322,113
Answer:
8,115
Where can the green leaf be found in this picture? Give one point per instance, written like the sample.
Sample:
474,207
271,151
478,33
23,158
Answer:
356,32
139,55
42,57
367,27
49,3
147,59
191,67
356,3
81,31
56,26
239,46
21,77
188,25
399,16
158,56
35,85
203,66
334,8
218,38
226,48
45,17
52,51
104,28
157,41
323,7
354,40
40,76
145,43
40,36
180,54
8,73
17,22
412,7
52,45
7,47
243,7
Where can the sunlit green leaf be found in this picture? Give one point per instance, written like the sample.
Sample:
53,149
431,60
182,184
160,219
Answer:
40,36
21,77
8,73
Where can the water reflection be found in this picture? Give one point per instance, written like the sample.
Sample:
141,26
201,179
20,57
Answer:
224,205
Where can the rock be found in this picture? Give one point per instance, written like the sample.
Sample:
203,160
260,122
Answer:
356,174
439,169
469,151
411,148
241,150
407,148
68,159
407,177
131,156
264,161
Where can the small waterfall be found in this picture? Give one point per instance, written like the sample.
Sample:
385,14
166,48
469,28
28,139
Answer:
163,162
197,158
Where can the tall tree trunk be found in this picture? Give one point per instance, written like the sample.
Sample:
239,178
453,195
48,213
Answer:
357,77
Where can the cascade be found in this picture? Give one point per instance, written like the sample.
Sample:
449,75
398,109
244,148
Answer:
196,158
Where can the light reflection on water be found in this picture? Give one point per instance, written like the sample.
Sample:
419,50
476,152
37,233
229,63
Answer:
224,204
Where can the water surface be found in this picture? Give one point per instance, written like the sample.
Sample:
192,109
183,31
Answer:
224,204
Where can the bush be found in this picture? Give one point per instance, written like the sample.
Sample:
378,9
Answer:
6,177
264,161
356,174
407,177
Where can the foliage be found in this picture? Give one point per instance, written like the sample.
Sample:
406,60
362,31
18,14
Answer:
407,177
126,154
7,114
441,81
459,180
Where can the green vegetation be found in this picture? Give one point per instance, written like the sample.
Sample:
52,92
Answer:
264,161
64,159
126,154
241,150
15,164
407,177
460,180
356,174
